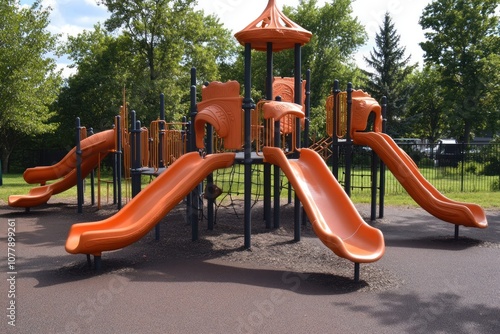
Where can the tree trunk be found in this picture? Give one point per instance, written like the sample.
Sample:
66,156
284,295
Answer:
5,161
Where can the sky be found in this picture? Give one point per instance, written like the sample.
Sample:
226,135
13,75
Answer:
70,17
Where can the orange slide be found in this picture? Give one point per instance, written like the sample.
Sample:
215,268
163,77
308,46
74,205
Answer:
40,195
99,142
424,193
334,217
146,209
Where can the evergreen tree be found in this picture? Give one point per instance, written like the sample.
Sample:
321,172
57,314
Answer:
391,69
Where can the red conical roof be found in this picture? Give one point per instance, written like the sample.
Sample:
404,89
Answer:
273,26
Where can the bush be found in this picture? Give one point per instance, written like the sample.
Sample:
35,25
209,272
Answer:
426,162
492,168
472,167
495,185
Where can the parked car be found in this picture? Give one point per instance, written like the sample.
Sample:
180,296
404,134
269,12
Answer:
449,153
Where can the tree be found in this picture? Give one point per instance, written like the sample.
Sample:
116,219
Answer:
167,38
94,93
336,36
427,111
391,69
463,41
29,81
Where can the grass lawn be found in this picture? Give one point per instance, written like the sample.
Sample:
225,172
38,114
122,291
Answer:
14,184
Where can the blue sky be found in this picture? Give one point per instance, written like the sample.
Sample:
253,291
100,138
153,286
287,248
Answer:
70,17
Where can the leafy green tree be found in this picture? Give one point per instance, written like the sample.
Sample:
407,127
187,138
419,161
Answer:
336,37
94,93
390,71
167,38
427,111
463,41
29,81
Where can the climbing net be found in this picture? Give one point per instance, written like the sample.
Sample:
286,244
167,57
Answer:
227,190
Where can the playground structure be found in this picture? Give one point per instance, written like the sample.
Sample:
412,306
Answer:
239,123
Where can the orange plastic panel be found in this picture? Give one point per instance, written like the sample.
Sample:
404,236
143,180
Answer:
274,27
333,216
221,106
362,105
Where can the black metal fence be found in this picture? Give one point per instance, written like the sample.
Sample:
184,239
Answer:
449,167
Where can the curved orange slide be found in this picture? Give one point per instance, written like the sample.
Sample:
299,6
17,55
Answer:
334,217
99,142
424,193
40,195
146,209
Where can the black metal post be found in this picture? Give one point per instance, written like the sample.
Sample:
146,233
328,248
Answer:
161,134
335,138
248,105
118,159
298,100
382,165
374,177
267,166
193,202
356,272
277,176
135,172
79,180
348,147
210,179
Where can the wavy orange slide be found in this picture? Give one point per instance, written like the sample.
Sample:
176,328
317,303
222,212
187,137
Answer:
423,192
99,142
334,217
146,209
40,195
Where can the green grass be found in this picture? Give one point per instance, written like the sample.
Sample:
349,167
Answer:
14,184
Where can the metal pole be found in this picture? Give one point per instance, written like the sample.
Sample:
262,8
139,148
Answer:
79,180
348,148
161,134
335,138
248,105
277,176
298,100
267,166
382,165
210,178
193,197
136,161
118,160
